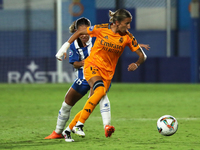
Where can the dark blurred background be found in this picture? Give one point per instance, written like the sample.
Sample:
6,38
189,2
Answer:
29,39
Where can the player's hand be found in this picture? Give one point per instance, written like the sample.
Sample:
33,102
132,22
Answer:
62,51
132,67
82,62
59,56
65,55
146,46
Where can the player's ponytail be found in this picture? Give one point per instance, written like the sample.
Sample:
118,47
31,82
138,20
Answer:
111,14
72,28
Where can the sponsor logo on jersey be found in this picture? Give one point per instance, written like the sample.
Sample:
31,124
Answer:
91,28
70,53
110,47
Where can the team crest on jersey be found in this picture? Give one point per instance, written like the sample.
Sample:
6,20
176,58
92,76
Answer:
91,28
106,37
121,40
70,53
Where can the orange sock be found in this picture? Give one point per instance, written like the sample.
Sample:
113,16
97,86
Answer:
91,103
75,120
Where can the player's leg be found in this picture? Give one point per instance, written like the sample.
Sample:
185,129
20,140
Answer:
93,76
100,86
70,127
99,92
75,120
106,116
105,110
67,132
71,97
75,93
81,87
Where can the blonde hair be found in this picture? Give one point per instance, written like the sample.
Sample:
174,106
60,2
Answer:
119,15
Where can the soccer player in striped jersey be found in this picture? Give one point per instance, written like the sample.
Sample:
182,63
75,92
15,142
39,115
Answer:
99,67
79,51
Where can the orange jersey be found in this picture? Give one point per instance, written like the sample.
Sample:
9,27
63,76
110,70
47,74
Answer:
108,47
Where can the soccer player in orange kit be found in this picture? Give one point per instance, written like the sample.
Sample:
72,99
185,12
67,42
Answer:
99,67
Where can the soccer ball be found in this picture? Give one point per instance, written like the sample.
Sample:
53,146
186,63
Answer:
167,125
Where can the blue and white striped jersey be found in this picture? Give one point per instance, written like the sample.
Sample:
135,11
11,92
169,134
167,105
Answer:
78,53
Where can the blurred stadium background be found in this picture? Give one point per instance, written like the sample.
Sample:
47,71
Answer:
31,31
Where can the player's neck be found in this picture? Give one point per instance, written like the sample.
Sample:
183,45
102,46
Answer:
114,28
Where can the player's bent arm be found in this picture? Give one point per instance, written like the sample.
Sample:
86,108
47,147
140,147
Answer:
141,59
76,35
62,51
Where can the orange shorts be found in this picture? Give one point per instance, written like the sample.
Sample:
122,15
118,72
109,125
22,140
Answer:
93,71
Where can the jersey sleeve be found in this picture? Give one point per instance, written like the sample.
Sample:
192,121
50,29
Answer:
93,40
133,44
73,55
93,31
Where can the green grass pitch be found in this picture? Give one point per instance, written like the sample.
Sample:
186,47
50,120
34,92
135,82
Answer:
28,113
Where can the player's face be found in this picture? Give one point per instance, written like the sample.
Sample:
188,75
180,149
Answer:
84,37
124,25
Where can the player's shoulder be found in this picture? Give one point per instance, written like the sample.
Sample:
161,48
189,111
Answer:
103,25
130,35
72,45
133,40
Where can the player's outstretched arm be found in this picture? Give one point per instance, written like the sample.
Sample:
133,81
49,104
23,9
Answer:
62,51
